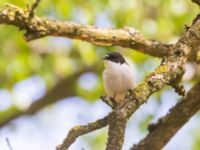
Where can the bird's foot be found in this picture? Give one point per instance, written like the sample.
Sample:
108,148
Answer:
109,101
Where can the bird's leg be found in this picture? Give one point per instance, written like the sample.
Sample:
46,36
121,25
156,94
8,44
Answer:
114,102
109,101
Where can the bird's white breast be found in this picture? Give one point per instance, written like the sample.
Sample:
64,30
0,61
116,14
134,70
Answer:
118,79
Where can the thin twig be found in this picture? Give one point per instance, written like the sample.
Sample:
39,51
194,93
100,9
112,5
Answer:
33,7
8,143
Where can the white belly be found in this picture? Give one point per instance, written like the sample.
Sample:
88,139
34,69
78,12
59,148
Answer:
118,79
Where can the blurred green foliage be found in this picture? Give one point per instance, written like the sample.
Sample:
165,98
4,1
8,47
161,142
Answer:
196,143
55,58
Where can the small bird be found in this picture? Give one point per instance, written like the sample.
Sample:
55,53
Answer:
118,76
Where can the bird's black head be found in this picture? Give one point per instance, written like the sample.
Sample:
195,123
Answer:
115,57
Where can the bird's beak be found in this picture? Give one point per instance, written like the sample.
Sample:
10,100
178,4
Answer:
105,57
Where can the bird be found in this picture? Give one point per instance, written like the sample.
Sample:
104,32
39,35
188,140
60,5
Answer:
118,77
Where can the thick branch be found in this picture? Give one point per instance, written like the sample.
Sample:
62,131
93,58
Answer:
64,88
38,27
77,131
116,132
172,122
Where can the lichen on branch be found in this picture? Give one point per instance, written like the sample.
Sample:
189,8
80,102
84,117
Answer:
77,131
170,124
37,27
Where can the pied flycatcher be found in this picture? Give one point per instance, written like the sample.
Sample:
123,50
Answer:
118,76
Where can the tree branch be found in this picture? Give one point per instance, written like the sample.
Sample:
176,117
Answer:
33,7
168,125
38,28
116,131
77,131
8,143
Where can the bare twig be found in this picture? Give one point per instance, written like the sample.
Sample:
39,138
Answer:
8,143
77,131
33,7
168,125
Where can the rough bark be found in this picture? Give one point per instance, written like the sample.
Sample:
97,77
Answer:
38,27
77,131
170,124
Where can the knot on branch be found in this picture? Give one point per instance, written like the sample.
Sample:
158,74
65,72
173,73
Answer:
21,18
179,87
177,83
151,127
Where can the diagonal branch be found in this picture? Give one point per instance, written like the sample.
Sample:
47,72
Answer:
33,7
38,28
77,131
168,125
8,143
